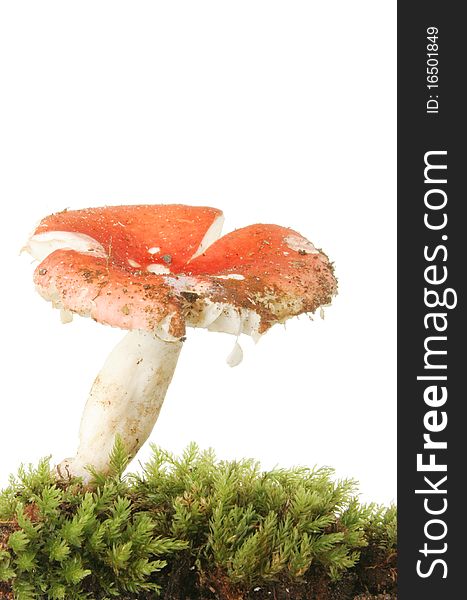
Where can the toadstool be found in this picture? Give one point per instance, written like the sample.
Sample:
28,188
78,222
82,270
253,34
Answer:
154,270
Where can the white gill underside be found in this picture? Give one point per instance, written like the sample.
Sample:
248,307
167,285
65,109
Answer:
211,235
214,316
41,245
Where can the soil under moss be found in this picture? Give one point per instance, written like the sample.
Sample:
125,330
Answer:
370,580
367,582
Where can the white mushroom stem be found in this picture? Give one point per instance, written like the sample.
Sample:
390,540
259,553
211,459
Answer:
125,400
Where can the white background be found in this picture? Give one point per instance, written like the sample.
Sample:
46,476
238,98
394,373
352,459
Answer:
280,112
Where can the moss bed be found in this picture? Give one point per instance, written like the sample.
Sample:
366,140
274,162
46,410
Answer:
194,528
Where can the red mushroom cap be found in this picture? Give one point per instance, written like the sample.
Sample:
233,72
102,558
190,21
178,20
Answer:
269,269
157,271
141,235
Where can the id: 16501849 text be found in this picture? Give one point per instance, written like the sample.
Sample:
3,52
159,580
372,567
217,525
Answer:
432,70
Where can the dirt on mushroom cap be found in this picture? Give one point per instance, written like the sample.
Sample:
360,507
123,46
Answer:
267,270
96,288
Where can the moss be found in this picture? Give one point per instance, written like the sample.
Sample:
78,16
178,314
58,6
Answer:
220,529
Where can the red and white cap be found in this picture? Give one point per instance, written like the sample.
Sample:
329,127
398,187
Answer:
159,268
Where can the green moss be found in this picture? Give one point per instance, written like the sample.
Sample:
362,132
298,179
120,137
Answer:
120,536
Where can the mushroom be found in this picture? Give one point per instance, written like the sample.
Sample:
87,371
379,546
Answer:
154,270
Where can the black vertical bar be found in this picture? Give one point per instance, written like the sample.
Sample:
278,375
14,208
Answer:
435,571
